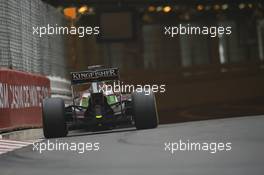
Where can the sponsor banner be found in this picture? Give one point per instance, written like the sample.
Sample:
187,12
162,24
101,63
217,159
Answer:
21,95
94,75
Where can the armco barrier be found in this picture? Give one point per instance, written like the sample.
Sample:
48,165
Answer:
60,88
21,95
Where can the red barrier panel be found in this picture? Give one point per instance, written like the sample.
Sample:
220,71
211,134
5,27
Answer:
21,95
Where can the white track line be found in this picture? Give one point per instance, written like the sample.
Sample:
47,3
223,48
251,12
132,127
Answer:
10,145
7,149
3,149
15,141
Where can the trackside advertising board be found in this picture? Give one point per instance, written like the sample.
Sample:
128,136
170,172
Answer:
21,96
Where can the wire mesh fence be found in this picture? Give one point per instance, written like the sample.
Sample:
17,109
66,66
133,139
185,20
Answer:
19,48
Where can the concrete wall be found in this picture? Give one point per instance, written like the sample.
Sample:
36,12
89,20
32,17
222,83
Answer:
207,87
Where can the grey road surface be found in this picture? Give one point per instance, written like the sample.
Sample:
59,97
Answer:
132,152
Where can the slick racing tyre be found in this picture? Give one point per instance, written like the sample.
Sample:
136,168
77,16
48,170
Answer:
144,110
53,117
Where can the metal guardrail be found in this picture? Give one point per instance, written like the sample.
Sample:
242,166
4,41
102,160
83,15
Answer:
19,48
60,87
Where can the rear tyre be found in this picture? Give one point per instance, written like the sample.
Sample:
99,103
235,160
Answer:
53,118
144,110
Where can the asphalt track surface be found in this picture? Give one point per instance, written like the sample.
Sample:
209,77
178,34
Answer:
130,152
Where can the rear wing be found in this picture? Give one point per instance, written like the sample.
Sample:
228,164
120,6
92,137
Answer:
94,75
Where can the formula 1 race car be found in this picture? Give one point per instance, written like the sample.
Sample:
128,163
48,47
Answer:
97,105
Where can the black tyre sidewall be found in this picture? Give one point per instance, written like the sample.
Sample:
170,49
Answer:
144,110
53,118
